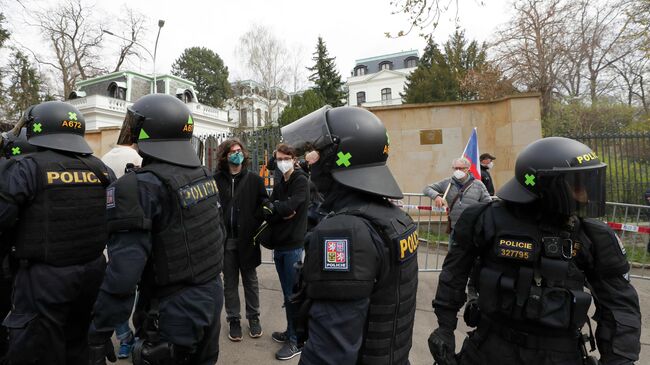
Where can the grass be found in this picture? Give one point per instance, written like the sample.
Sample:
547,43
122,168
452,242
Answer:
637,253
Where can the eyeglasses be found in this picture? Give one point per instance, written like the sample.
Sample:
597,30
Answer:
284,158
459,168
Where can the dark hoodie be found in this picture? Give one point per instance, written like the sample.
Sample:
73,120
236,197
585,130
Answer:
289,197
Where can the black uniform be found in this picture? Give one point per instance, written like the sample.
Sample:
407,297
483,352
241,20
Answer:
166,232
486,178
52,203
361,273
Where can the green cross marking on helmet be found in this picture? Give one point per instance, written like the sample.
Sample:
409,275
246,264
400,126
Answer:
15,151
189,120
37,128
143,134
344,159
72,116
530,180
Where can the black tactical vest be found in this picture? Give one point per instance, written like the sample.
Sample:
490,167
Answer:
389,326
65,223
187,247
530,274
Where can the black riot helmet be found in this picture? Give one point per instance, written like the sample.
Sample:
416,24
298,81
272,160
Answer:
18,146
162,126
565,175
57,125
354,144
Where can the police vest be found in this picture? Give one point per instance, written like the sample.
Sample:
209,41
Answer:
530,275
389,326
188,248
65,224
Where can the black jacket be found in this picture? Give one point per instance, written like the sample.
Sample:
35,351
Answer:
243,215
486,178
289,197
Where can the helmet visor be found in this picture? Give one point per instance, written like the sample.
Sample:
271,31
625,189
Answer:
575,192
130,126
309,132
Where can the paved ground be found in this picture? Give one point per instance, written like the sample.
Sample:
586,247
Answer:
261,351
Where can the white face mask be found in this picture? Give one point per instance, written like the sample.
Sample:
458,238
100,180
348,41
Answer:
285,166
459,174
490,165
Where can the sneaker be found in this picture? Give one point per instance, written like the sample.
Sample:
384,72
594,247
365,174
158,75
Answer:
125,348
280,337
235,331
288,351
255,328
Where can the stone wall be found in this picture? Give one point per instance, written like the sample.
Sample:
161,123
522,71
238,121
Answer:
425,138
102,140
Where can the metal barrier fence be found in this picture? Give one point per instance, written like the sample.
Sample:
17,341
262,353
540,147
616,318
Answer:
630,221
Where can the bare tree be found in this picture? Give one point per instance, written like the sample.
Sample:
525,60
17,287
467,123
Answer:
265,55
633,73
530,49
297,70
134,23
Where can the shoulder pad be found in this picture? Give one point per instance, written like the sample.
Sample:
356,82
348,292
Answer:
123,206
467,222
610,258
5,165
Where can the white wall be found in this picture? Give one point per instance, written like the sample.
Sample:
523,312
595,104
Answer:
372,84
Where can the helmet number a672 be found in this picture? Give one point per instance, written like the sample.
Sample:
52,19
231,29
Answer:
71,124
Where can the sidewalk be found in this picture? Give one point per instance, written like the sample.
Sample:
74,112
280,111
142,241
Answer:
262,350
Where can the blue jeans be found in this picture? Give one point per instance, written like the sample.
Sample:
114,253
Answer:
123,331
284,261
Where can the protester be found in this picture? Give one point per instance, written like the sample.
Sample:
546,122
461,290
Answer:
487,164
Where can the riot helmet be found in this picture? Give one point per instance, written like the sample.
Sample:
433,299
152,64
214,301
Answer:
353,145
566,176
57,125
162,126
18,146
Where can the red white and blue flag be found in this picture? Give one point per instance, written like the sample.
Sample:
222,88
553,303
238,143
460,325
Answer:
471,154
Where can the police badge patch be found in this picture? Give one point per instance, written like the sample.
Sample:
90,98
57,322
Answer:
337,255
110,197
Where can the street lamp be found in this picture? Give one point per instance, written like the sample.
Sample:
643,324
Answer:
161,23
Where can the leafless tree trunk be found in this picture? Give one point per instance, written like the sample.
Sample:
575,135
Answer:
134,22
265,55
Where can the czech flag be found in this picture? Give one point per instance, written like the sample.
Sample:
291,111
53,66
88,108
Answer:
471,154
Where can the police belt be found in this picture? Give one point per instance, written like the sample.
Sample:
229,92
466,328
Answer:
562,342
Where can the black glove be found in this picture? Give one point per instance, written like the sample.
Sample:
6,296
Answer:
268,210
100,348
472,314
442,345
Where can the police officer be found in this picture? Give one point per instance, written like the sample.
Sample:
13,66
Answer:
17,146
538,251
53,203
167,234
360,268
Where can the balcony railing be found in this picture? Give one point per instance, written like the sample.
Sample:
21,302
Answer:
396,101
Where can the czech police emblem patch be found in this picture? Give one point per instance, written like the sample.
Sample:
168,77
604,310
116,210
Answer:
337,256
110,197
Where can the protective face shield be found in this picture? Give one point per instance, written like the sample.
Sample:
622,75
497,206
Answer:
130,126
353,145
574,192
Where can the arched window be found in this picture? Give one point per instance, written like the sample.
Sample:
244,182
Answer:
185,95
361,98
360,70
411,62
117,90
258,111
385,94
385,65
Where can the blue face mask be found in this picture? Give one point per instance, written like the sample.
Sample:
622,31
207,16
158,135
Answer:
236,158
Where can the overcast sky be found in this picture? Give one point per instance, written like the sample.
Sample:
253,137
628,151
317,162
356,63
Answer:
352,29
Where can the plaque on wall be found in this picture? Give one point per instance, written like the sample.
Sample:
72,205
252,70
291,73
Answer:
430,136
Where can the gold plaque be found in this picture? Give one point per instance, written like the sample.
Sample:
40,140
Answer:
431,136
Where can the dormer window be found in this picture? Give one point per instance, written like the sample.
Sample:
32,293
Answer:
360,70
185,95
411,62
385,65
117,90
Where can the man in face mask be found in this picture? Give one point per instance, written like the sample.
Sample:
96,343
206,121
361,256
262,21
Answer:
487,164
242,195
458,191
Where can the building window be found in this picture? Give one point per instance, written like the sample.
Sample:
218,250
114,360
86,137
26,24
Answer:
385,65
385,94
243,120
361,98
411,62
259,117
360,70
117,90
266,115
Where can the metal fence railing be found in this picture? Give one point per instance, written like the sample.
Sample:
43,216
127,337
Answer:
631,223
